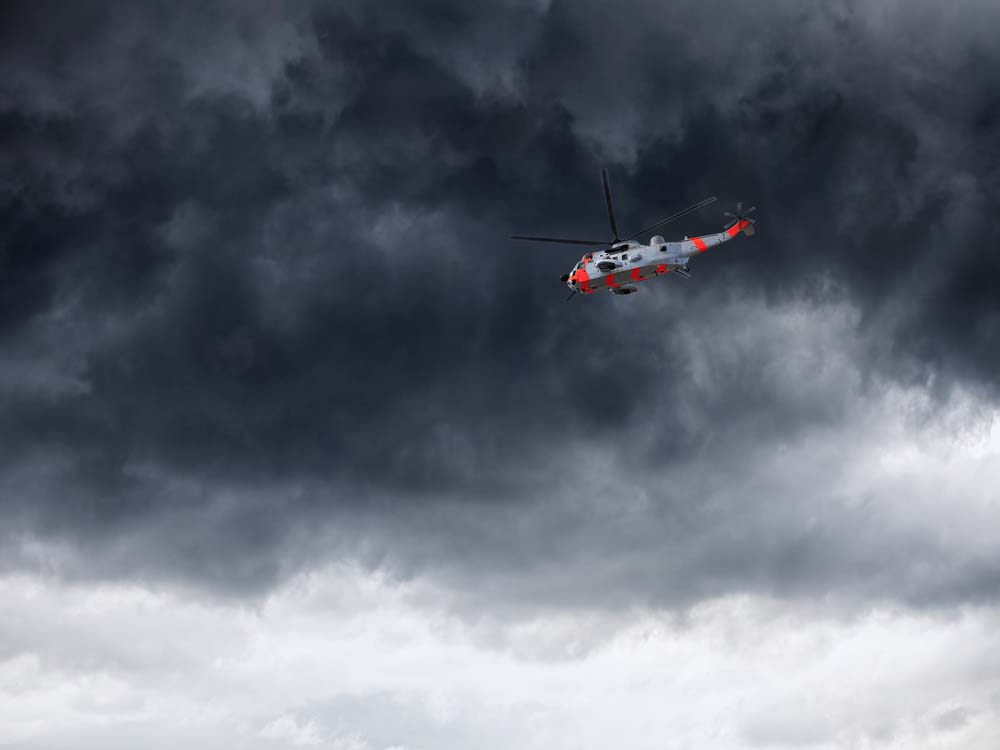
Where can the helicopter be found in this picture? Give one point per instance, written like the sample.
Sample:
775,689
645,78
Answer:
624,262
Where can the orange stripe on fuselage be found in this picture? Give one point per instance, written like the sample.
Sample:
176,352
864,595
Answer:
612,281
636,274
736,228
662,268
700,244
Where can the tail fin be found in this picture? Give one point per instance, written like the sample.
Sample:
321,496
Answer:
740,221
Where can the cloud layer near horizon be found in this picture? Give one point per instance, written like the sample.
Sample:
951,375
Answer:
340,659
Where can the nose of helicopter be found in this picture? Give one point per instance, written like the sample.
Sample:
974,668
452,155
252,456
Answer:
564,278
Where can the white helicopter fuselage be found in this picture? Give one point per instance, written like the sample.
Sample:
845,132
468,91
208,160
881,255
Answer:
622,265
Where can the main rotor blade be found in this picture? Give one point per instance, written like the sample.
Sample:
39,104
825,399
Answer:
595,243
607,199
674,217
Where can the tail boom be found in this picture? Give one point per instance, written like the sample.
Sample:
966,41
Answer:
697,245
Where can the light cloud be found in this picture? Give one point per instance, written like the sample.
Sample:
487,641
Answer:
341,657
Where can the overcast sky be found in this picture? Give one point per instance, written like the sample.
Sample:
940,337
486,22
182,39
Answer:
297,449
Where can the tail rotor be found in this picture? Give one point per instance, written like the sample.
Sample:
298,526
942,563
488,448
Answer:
740,217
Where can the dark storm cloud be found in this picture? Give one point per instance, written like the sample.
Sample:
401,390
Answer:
254,280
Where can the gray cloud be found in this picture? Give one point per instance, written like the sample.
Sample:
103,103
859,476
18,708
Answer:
258,307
